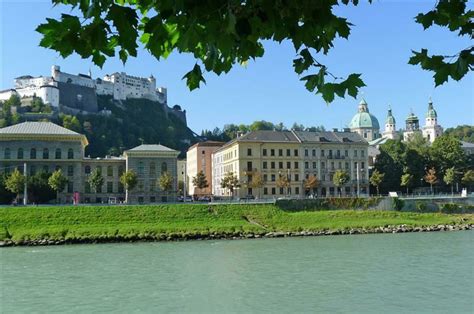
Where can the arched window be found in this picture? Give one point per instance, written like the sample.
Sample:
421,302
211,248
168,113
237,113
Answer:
110,171
152,168
70,154
58,153
45,153
164,167
87,169
33,153
7,153
20,153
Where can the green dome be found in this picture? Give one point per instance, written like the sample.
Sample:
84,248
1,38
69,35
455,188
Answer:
431,111
390,117
363,119
412,118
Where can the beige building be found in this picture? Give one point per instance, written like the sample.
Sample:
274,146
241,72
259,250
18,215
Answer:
45,146
199,158
293,154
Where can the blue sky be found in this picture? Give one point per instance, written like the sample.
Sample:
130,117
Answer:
268,89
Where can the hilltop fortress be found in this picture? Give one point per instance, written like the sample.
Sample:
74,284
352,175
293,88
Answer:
78,93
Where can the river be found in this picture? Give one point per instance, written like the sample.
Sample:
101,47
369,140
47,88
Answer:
390,273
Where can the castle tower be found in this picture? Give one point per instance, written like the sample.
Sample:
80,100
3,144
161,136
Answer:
431,130
390,126
412,126
365,123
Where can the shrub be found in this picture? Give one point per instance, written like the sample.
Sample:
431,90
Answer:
421,207
397,203
450,208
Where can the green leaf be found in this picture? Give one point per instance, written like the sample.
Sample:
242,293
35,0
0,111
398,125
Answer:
194,77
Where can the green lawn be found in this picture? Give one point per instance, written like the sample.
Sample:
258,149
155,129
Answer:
95,222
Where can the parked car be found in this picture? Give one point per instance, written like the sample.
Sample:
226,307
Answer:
204,199
248,197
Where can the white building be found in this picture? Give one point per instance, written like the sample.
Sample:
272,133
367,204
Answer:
28,86
390,131
123,86
432,129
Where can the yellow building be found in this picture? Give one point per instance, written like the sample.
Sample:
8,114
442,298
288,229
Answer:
293,156
199,158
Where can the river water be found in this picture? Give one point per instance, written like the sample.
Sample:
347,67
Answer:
390,273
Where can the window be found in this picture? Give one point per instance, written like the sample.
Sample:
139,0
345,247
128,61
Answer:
152,168
296,152
264,165
332,165
249,166
7,153
45,153
297,177
70,171
288,164
322,152
265,178
87,169
273,191
70,186
330,153
249,152
338,153
306,165
306,152
33,153
57,154
280,152
363,165
314,153
314,164
110,171
346,153
20,153
272,165
141,168
347,165
281,190
164,167
272,152
296,164
288,152
99,169
355,153
323,165
120,188
280,165
362,153
120,170
110,187
152,199
203,152
70,154
297,190
87,187
273,178
264,152
265,191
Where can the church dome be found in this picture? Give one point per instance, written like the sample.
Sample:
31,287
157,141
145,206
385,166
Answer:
363,118
390,118
431,111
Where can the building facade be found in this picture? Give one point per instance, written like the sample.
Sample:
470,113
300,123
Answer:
199,158
296,156
45,146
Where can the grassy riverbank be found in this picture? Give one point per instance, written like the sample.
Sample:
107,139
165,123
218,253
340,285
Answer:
102,223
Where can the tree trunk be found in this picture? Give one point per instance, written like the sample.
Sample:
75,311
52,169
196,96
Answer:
126,196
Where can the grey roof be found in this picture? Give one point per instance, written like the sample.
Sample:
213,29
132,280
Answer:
45,128
269,136
329,137
151,148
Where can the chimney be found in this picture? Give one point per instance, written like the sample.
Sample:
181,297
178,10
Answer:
334,129
239,134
